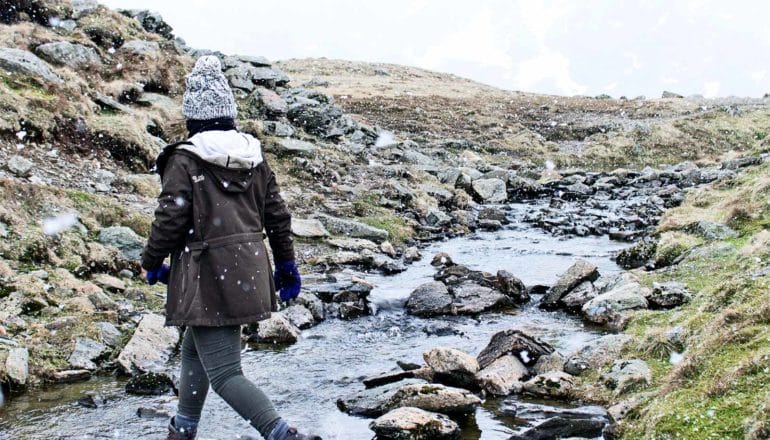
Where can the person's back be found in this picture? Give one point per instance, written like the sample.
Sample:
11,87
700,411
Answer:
219,196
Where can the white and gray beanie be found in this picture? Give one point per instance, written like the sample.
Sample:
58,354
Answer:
208,95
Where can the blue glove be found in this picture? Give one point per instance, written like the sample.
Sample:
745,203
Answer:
287,279
160,274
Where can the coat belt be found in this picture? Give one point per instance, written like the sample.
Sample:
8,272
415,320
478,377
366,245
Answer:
198,247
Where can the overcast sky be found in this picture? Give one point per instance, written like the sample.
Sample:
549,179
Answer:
566,47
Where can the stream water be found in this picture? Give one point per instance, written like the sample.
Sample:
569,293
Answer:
307,378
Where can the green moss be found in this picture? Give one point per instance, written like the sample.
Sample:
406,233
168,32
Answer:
398,230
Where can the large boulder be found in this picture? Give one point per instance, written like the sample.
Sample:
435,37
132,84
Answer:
608,307
451,366
578,273
69,54
436,398
471,299
560,427
554,384
26,63
584,292
414,424
299,316
430,299
278,330
352,228
512,287
489,190
125,239
503,376
372,402
627,375
526,348
150,347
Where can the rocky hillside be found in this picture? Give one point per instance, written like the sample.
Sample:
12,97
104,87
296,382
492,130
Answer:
374,161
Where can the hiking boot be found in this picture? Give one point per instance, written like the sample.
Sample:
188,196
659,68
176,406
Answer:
294,435
180,434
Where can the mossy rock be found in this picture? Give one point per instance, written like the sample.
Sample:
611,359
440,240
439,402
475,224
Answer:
637,255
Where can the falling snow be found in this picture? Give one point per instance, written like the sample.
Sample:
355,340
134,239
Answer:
60,223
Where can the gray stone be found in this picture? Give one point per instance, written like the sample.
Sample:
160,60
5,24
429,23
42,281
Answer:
109,282
627,375
596,354
295,147
277,128
81,8
66,25
352,228
85,353
437,217
710,230
414,424
430,299
109,104
503,376
69,376
20,166
549,362
451,366
151,22
125,239
471,299
256,61
68,54
271,102
563,428
150,347
308,228
436,398
579,272
278,330
669,95
372,402
26,63
554,384
102,301
299,316
526,348
314,304
580,295
608,307
668,295
141,48
532,412
17,366
109,334
511,286
353,244
490,190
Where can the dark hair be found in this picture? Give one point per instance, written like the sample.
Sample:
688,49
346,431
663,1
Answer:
195,126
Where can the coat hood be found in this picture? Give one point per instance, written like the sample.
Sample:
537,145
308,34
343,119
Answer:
227,149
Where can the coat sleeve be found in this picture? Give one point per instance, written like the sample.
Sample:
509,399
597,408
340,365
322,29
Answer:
277,220
173,215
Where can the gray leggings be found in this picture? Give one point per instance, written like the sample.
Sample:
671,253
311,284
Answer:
213,355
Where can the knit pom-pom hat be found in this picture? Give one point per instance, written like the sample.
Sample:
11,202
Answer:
208,95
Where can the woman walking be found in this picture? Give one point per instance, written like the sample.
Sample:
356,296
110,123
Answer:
218,197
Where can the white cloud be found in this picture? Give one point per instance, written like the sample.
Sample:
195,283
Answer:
758,75
711,89
547,66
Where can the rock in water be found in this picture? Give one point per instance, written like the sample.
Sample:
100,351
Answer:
472,299
414,424
579,272
17,366
26,63
558,427
527,348
150,384
451,366
436,398
150,347
85,353
372,402
300,316
503,376
430,299
554,384
278,330
607,307
511,286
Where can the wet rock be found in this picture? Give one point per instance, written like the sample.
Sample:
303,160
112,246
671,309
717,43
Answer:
580,295
523,188
453,275
277,330
627,375
125,239
300,316
92,400
414,424
472,299
607,307
141,48
452,367
490,225
26,63
435,398
372,402
308,228
554,384
440,329
526,348
86,352
489,190
512,287
313,304
157,412
20,166
550,362
576,366
108,333
493,214
149,384
295,147
503,376
533,411
388,378
430,299
441,259
352,228
353,309
668,295
17,366
151,346
70,376
558,427
710,230
68,54
579,272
